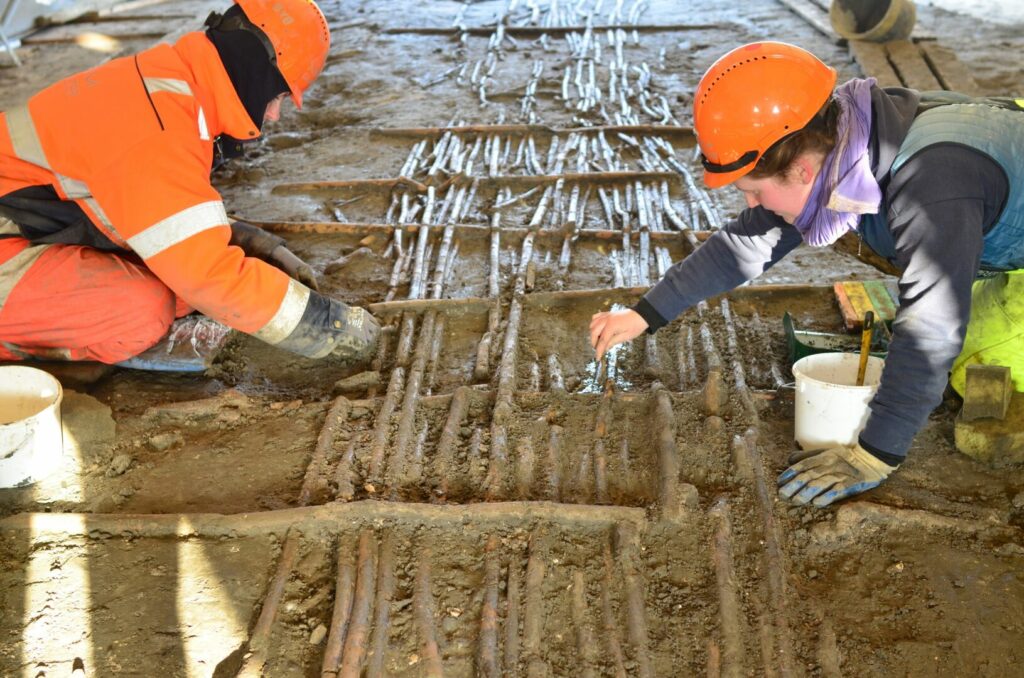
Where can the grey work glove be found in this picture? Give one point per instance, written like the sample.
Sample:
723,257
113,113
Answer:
357,332
256,242
825,476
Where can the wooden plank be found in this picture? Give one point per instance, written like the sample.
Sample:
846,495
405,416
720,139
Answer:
859,300
881,299
151,28
78,8
202,10
874,62
909,63
850,317
856,298
816,17
532,31
952,72
519,130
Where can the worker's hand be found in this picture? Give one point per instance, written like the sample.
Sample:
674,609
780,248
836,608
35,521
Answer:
610,328
253,240
256,242
356,332
285,259
825,476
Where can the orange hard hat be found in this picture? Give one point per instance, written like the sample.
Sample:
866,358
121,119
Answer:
299,36
751,98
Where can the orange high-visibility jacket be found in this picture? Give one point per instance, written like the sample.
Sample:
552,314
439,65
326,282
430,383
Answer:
131,142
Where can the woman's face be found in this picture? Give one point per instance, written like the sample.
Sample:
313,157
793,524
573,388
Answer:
783,195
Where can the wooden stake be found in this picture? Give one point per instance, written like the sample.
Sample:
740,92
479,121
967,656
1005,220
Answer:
359,631
343,596
423,610
487,659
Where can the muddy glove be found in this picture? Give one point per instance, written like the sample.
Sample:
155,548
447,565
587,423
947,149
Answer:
825,476
256,242
329,327
356,333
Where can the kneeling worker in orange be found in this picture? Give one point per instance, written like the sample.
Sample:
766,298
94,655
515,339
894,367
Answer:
109,227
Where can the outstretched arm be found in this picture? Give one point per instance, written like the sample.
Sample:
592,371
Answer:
163,206
742,250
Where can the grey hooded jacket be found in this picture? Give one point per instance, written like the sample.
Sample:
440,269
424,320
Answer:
938,208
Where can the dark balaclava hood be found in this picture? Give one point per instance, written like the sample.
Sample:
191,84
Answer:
256,80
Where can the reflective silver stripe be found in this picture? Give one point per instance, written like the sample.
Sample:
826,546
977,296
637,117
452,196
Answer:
178,228
14,268
74,189
167,85
177,87
27,146
8,227
288,315
24,138
102,216
204,131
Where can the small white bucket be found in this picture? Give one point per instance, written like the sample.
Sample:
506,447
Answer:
31,440
830,408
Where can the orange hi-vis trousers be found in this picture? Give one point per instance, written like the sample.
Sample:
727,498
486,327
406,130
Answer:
79,303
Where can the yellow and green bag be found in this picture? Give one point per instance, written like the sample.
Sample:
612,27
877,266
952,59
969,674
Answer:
995,333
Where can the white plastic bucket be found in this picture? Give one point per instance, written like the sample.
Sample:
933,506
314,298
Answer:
31,440
830,408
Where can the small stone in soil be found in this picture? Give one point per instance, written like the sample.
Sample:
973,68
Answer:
164,441
319,633
119,465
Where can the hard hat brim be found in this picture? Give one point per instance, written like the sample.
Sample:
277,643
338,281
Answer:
719,179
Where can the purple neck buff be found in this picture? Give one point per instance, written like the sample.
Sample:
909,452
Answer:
845,187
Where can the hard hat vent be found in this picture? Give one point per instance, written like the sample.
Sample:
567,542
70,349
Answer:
743,105
711,85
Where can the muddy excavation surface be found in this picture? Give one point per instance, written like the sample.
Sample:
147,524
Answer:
484,498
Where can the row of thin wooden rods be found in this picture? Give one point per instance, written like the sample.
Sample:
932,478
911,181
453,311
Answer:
357,641
397,460
365,583
356,638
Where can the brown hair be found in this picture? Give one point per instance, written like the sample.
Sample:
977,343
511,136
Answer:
817,136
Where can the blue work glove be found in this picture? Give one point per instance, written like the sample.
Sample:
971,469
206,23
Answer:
825,476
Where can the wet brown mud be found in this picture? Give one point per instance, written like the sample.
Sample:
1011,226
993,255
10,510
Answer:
483,498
